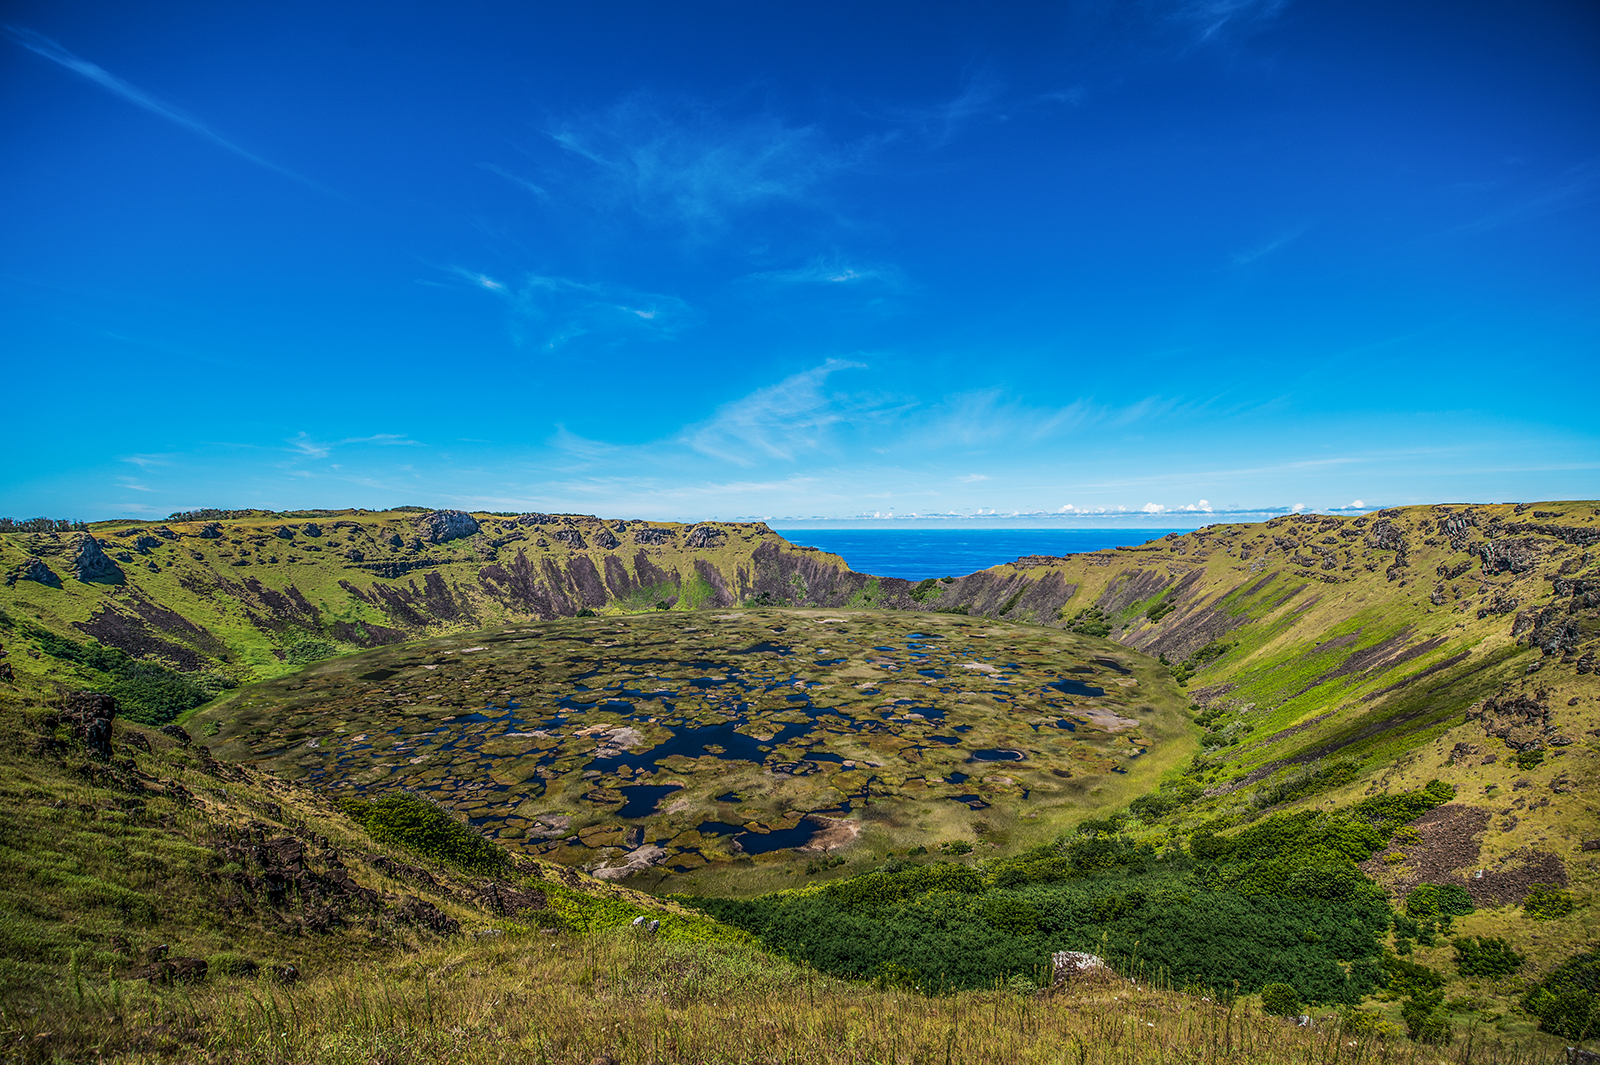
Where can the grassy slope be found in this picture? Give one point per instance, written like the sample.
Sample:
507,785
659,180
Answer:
1264,589
93,873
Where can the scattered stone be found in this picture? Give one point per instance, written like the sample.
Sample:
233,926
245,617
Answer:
176,732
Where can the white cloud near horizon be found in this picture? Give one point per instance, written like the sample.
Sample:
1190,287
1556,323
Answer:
53,51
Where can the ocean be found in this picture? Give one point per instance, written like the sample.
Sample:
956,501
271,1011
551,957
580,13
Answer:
918,553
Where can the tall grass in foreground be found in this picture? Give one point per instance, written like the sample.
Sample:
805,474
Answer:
536,999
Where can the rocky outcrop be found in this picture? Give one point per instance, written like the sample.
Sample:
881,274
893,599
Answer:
34,570
652,536
1521,720
442,526
90,714
704,536
90,563
1072,966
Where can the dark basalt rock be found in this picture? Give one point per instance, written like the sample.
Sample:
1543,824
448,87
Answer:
176,732
91,564
90,714
571,537
445,525
211,530
649,535
311,528
34,570
143,543
606,540
426,915
703,536
164,532
283,532
1518,556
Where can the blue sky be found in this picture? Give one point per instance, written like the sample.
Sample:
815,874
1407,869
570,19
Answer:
679,261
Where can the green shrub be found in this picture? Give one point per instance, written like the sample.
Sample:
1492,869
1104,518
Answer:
1567,1002
1160,610
1280,1000
1407,979
926,590
1529,759
1438,900
426,828
1546,902
308,649
1486,956
1425,1018
230,964
1090,621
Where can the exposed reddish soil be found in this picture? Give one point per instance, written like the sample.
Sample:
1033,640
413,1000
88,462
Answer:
1448,853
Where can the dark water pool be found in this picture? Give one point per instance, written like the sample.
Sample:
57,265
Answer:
639,800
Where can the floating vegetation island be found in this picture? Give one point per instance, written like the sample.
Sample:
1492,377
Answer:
724,743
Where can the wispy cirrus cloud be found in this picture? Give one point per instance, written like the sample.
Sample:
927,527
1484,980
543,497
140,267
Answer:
782,420
692,165
831,270
1250,255
980,98
53,51
306,446
144,462
1211,20
553,311
521,182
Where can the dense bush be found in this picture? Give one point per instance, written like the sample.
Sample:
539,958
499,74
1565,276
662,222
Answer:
1486,956
1567,1002
308,649
1407,979
1425,1018
1438,900
945,924
1280,1000
1090,621
1285,895
426,828
1546,902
